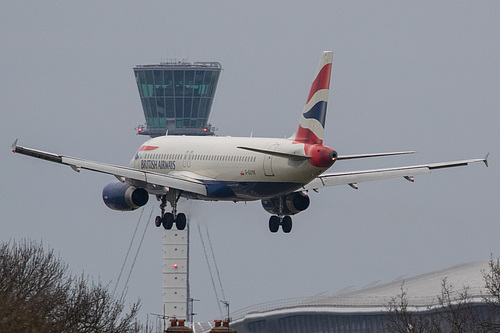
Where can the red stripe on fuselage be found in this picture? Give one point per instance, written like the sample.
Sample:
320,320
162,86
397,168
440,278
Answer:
322,81
146,148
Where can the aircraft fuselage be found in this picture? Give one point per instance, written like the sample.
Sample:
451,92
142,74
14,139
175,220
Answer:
231,172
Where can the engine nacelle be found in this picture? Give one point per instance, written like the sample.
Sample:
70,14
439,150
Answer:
124,197
293,203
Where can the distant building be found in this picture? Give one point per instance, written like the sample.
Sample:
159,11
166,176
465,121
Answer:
358,311
177,97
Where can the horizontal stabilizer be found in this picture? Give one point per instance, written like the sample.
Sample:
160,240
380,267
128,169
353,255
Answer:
351,157
296,157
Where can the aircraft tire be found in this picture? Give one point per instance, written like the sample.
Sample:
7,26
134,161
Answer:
286,224
274,223
158,221
181,221
168,221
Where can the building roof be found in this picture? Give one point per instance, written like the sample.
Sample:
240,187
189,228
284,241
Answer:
421,290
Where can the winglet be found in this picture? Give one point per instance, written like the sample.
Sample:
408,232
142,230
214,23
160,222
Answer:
14,146
485,160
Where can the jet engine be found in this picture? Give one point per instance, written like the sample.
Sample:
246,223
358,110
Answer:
124,197
291,204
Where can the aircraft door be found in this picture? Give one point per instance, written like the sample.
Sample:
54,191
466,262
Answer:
186,160
268,161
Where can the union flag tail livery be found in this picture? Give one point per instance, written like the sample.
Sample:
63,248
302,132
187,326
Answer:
278,172
312,121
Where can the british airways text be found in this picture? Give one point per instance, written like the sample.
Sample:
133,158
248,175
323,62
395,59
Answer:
155,164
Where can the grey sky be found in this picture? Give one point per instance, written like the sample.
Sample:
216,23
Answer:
422,76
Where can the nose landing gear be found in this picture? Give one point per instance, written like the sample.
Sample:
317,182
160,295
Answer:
168,219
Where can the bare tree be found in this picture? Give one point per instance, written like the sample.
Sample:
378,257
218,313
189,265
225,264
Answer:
38,294
404,319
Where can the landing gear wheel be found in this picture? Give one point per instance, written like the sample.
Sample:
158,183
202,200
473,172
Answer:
158,221
181,221
286,224
274,223
168,221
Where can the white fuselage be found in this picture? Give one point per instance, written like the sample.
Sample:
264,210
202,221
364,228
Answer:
230,173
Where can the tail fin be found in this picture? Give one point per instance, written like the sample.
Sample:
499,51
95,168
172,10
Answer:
312,121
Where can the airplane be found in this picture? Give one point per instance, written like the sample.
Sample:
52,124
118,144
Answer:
279,172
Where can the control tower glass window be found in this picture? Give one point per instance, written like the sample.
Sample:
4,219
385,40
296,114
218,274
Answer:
177,96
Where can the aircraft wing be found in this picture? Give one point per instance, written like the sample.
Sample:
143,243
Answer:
351,178
120,172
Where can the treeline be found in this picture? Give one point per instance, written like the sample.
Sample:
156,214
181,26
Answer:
39,294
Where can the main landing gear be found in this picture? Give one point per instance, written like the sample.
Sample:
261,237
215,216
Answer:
284,221
168,219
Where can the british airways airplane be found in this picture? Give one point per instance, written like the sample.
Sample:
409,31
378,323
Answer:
279,172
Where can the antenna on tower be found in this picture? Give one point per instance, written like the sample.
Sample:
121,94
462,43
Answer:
226,303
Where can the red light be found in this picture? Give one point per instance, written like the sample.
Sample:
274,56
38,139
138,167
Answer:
139,130
204,130
175,265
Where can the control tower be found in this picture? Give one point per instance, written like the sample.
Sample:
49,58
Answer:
177,97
